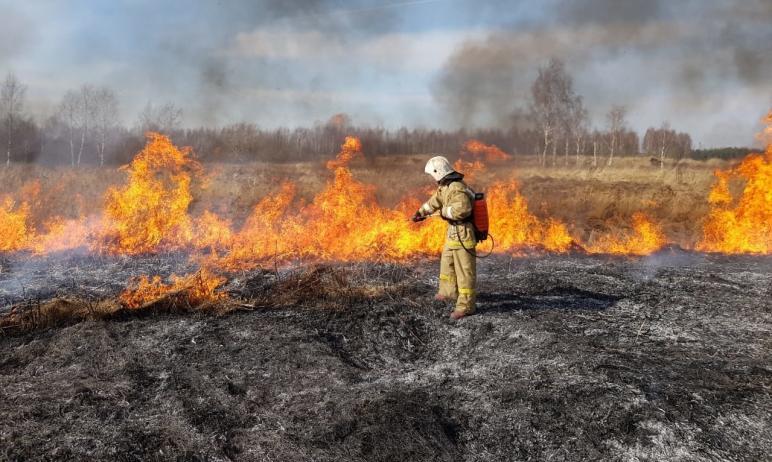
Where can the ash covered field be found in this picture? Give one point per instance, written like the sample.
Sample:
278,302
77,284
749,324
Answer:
231,239
570,357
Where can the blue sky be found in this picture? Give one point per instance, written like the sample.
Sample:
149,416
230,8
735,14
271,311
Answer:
704,66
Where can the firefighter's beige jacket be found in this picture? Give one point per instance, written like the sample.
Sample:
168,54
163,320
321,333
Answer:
454,203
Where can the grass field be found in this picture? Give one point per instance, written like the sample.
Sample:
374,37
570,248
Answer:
589,200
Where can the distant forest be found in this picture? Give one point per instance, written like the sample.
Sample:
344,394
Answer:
85,130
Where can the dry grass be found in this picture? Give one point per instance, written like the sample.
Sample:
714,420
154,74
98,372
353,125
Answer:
328,287
59,312
331,287
590,200
56,312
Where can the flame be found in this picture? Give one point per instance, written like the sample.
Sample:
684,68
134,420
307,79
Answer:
62,234
742,223
474,157
212,232
646,238
150,213
195,289
514,226
344,222
481,151
15,232
350,150
471,170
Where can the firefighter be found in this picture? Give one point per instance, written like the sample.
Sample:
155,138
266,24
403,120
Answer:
453,201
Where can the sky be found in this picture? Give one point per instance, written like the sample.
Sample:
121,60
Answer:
704,66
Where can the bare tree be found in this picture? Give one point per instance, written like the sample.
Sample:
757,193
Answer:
11,105
616,124
86,116
105,118
576,125
552,96
165,118
665,138
67,115
77,111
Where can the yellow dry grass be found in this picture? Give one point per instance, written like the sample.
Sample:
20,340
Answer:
590,200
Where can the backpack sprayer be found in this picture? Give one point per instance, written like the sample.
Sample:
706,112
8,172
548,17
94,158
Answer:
479,220
480,217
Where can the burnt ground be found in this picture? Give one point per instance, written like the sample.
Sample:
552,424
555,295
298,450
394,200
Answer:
570,358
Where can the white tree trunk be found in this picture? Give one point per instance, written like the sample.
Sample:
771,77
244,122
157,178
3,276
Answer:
82,143
662,152
613,148
578,147
10,140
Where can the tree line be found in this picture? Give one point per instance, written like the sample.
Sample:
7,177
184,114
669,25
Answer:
85,129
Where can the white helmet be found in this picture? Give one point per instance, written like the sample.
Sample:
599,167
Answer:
438,167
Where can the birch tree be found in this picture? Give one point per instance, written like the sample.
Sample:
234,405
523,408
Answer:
616,124
77,112
66,114
665,139
576,125
86,116
105,118
11,105
552,95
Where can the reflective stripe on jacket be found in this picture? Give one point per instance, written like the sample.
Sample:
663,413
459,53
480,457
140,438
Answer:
454,202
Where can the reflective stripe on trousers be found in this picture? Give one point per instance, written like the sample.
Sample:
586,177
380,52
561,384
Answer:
458,277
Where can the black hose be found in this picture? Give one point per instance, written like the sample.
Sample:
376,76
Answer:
493,244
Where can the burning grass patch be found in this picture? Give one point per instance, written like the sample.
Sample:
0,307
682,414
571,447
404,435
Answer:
322,286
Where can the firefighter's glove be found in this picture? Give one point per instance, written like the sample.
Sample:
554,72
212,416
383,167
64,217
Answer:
418,217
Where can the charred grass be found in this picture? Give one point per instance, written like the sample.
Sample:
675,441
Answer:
324,286
569,358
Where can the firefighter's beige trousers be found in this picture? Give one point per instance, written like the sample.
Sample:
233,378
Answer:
458,277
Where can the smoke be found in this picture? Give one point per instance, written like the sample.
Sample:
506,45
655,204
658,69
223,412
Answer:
223,78
481,80
650,266
609,11
433,62
652,56
17,33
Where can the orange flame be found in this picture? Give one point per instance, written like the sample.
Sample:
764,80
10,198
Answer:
63,235
646,238
481,151
150,212
14,225
474,157
195,289
470,169
514,226
742,223
343,222
350,150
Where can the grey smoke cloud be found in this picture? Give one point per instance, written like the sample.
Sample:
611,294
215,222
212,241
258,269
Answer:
685,56
17,32
425,62
218,80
